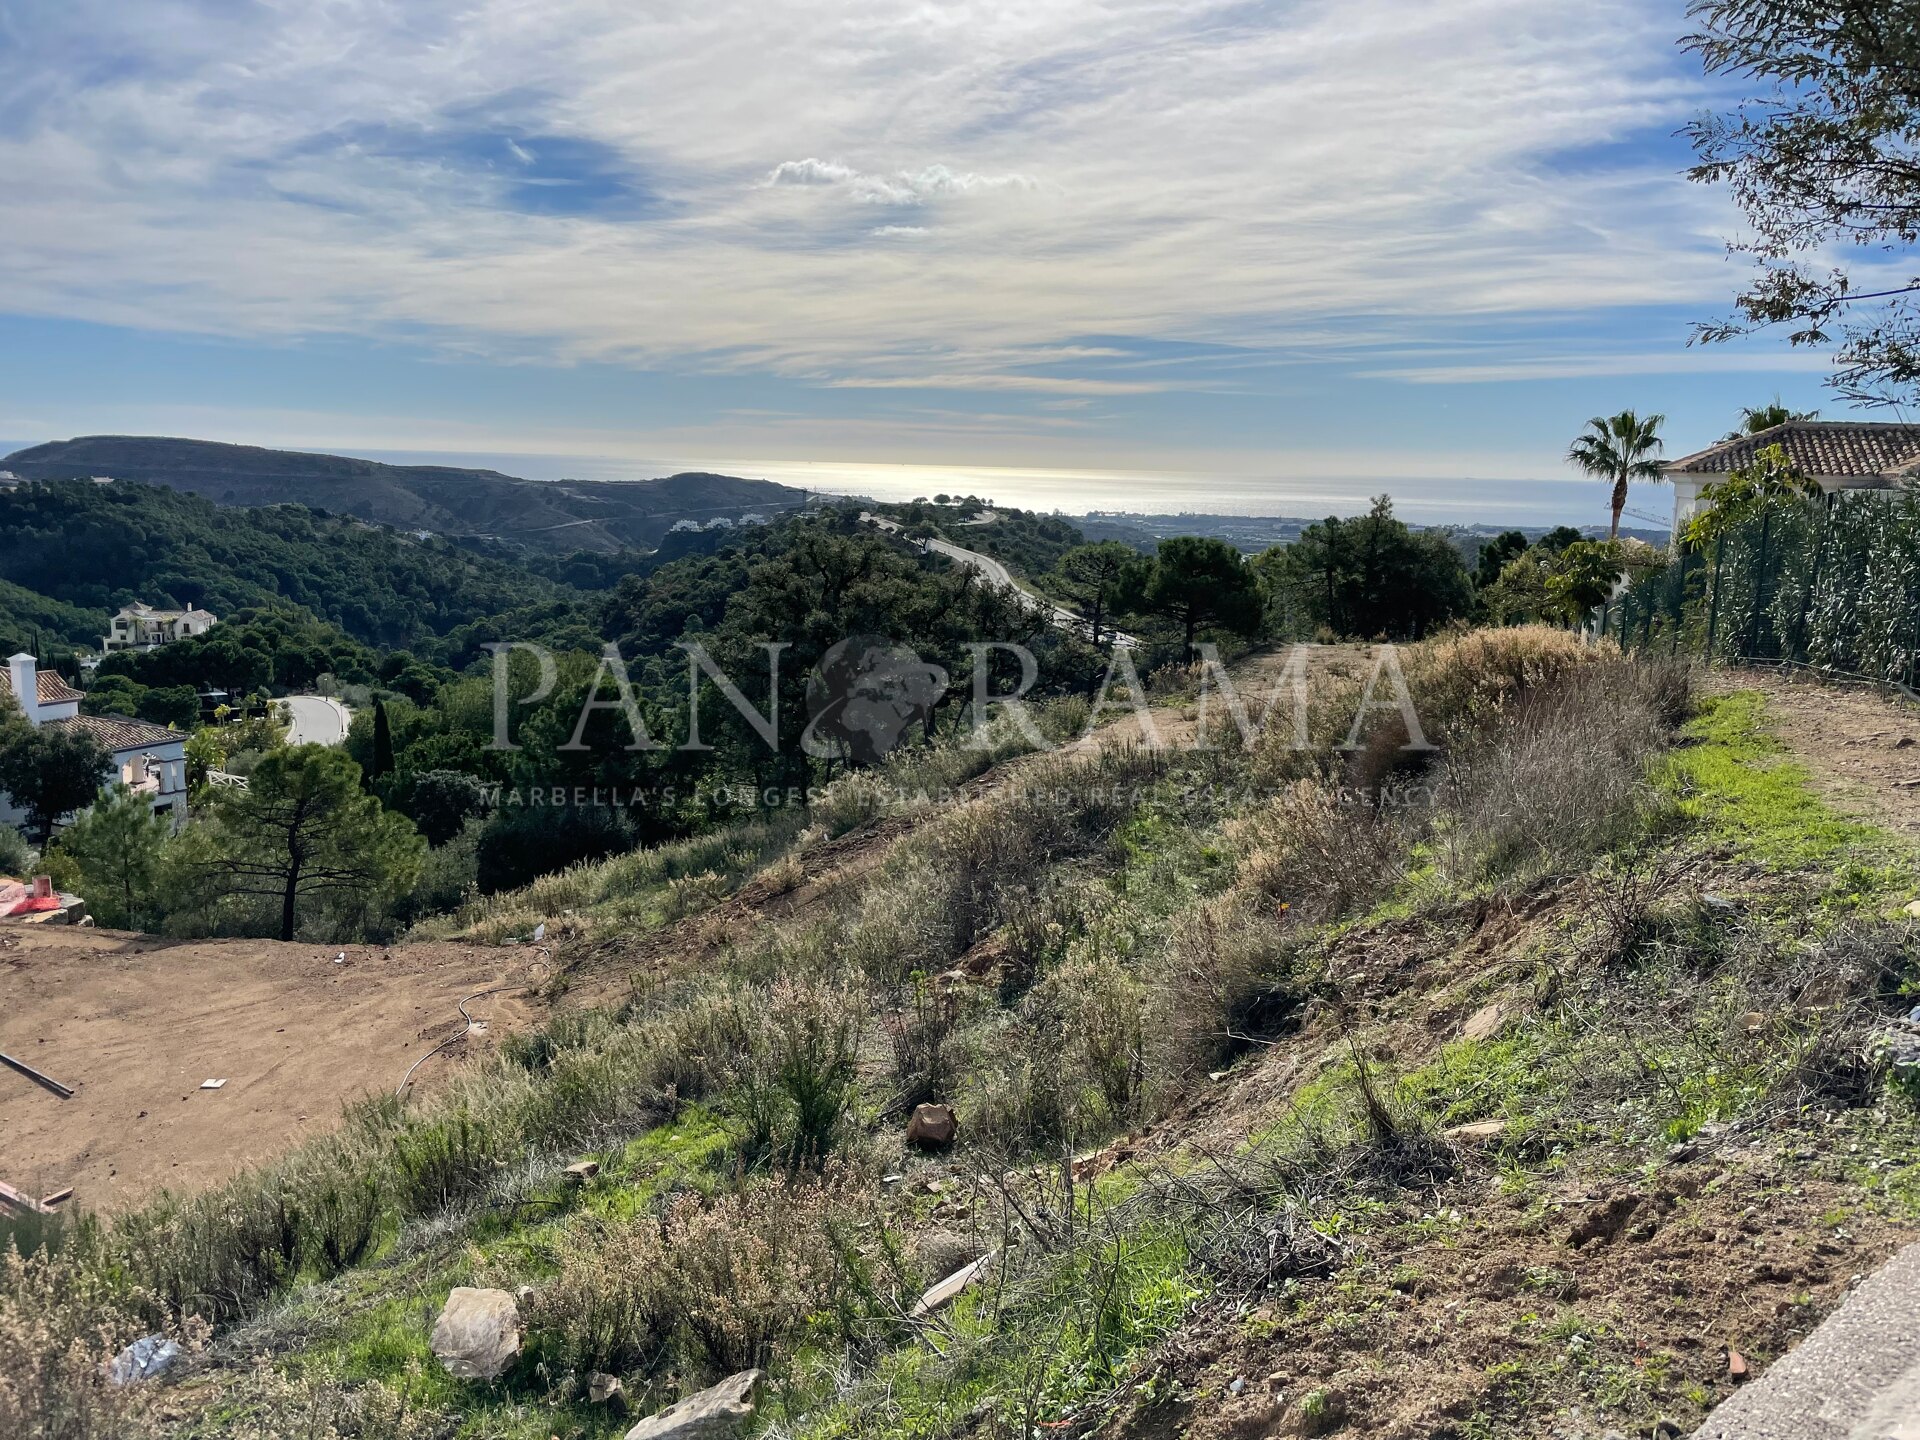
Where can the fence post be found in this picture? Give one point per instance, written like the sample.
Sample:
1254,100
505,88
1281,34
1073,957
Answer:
1678,592
1759,582
1713,594
1813,580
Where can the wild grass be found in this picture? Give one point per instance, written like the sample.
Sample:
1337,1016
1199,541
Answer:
1063,959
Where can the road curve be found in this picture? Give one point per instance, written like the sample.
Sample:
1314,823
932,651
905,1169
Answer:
316,720
998,576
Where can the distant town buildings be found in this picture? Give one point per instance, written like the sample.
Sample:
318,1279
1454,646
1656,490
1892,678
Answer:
149,760
141,627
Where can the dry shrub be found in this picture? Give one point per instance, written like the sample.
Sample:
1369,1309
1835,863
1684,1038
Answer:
1231,979
1024,1096
1459,683
923,1033
1561,774
61,1320
801,1072
1099,1005
722,1282
273,1406
692,894
1320,857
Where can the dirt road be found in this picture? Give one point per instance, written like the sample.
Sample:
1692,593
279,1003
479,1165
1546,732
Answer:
134,1024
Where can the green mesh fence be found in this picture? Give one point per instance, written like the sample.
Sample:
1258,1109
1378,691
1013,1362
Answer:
1832,583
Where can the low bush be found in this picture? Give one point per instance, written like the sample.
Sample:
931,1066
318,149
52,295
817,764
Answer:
62,1320
1561,773
714,1284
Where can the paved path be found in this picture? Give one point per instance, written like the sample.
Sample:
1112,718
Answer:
316,720
1857,1377
1000,577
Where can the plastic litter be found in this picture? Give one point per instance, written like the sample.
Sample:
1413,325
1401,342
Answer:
147,1358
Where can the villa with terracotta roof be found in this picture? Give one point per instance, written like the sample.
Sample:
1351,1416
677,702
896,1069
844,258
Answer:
1839,454
150,760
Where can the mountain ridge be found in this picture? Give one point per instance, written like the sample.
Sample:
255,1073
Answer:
554,515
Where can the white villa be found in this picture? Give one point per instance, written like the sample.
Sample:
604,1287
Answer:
1839,454
141,627
148,759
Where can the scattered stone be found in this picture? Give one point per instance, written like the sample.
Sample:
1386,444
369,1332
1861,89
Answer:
582,1171
1898,1047
523,1296
605,1389
1239,1384
1478,1130
1736,1366
1719,904
1905,742
478,1333
1484,1022
932,1127
1754,1021
147,1358
1913,908
717,1413
947,1290
1218,1075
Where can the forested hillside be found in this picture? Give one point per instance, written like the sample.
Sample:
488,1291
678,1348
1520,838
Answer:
482,505
96,547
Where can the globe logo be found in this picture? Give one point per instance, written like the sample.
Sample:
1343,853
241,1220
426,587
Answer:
863,696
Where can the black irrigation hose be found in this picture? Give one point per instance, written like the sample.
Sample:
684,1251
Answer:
401,1088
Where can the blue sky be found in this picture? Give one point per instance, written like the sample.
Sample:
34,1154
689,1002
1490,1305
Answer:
1258,256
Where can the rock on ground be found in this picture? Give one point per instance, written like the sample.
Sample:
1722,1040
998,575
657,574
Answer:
478,1333
932,1127
717,1413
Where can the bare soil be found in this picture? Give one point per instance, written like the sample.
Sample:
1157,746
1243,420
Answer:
134,1024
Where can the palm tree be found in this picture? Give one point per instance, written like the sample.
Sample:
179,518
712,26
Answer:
1755,418
1620,450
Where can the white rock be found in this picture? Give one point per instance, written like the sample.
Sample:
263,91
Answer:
717,1413
477,1334
943,1293
1484,1023
147,1358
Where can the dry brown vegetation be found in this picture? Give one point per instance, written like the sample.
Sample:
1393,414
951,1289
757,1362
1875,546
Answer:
1201,1016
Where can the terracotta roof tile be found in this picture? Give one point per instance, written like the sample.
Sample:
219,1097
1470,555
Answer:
117,732
49,687
1836,449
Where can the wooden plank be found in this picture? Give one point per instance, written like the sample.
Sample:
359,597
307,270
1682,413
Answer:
15,1200
64,1092
57,1196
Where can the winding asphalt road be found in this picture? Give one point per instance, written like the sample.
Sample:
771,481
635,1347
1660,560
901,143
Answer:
316,720
1000,577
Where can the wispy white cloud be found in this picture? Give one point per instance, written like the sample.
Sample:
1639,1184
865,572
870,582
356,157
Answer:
902,188
1549,366
1000,380
1203,172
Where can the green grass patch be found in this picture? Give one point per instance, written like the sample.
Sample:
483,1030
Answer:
1734,781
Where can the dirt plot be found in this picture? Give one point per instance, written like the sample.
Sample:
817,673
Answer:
134,1024
1861,746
